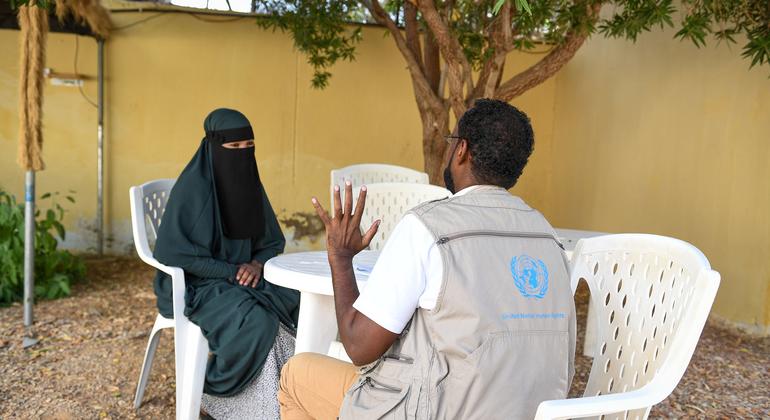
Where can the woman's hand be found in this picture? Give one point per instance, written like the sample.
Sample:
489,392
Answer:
249,274
343,232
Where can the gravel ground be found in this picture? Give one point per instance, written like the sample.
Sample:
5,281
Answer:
92,343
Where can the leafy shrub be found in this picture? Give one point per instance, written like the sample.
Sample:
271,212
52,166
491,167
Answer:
55,269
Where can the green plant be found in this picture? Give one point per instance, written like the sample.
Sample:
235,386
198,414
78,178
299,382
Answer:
55,269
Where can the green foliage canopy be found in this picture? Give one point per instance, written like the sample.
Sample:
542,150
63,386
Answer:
319,26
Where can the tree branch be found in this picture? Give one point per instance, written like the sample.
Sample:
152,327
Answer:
412,32
432,62
459,69
420,83
549,65
500,36
500,76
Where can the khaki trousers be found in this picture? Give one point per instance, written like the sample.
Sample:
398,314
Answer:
313,386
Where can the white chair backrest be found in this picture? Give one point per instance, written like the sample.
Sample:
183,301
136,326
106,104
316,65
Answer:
652,295
390,201
148,203
370,173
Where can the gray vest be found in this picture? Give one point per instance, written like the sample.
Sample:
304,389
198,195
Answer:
501,338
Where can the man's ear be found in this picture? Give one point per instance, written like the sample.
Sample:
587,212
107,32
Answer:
463,152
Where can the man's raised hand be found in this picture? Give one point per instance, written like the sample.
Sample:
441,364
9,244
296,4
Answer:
343,232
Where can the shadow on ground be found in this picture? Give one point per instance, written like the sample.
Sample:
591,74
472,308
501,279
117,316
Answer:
91,348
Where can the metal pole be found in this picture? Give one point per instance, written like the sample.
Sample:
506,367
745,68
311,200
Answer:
100,152
29,257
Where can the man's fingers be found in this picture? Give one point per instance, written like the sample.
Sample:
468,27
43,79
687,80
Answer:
360,205
240,273
348,198
367,239
321,212
337,202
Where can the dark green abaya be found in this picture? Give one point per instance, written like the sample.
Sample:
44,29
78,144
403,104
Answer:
239,322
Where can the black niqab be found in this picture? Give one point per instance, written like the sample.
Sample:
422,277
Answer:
238,187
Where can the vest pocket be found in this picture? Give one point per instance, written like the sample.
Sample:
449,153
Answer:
499,346
508,375
375,398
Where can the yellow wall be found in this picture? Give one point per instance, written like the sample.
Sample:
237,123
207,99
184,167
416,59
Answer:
655,137
164,75
661,137
69,126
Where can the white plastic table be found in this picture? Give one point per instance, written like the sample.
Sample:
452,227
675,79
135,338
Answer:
309,273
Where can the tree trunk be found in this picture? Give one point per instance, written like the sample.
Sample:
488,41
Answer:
435,126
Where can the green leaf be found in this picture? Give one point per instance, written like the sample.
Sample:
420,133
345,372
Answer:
65,287
498,6
44,196
53,291
59,230
523,4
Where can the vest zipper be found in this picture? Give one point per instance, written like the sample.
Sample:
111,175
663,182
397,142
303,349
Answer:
379,385
399,358
533,235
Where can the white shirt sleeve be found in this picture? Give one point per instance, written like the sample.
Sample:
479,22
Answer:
398,280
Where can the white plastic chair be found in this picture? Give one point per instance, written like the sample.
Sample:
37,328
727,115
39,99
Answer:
569,238
148,202
390,201
652,296
370,173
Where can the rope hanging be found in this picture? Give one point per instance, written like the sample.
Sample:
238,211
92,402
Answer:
33,22
89,12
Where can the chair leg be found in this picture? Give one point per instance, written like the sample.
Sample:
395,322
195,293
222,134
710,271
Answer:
195,359
149,355
590,341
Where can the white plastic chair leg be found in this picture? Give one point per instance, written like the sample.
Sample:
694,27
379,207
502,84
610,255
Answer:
149,355
190,389
317,326
589,344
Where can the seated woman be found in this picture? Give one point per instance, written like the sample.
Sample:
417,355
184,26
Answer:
220,229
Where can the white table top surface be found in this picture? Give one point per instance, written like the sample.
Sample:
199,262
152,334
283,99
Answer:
310,272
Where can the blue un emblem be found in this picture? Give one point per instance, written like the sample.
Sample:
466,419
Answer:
530,276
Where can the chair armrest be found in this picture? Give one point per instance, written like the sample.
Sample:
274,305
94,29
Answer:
178,284
604,404
151,261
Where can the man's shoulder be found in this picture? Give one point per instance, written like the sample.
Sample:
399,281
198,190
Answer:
421,209
412,229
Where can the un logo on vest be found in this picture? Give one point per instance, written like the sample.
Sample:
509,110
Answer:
530,276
